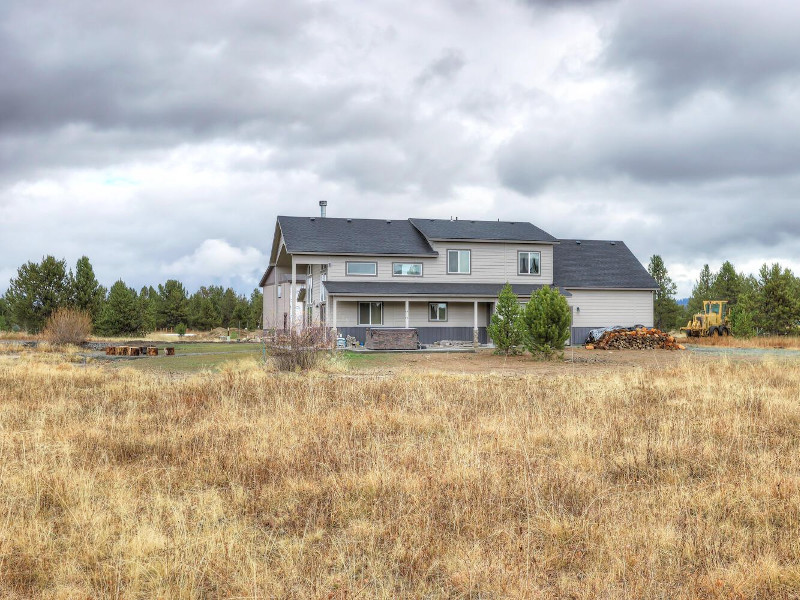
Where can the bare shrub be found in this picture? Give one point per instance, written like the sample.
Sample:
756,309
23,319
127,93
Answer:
300,350
68,326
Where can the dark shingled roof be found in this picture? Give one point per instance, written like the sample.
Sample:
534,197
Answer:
511,231
598,264
423,288
352,236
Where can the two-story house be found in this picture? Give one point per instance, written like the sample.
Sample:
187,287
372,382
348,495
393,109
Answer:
442,277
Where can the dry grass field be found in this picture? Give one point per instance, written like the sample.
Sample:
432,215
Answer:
766,342
639,483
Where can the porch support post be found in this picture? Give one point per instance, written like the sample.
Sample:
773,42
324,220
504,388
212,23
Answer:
293,297
475,326
406,314
333,313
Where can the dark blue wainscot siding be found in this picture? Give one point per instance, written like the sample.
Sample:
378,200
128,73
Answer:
427,335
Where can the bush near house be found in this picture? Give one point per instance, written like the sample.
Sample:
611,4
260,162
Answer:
505,327
546,322
299,350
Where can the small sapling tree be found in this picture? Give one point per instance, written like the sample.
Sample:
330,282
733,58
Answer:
505,327
546,322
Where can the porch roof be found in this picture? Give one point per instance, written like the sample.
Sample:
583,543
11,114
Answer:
423,288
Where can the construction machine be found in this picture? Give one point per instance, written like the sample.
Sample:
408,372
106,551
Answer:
713,321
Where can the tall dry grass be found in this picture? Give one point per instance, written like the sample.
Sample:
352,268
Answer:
766,342
248,484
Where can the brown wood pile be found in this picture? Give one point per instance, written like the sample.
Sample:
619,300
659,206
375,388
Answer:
641,339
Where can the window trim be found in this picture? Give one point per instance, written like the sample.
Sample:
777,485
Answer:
446,312
360,262
447,266
539,274
358,314
421,269
280,290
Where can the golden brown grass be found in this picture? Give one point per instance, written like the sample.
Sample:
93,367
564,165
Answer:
250,484
767,342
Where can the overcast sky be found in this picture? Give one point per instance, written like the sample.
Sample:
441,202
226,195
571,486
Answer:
162,139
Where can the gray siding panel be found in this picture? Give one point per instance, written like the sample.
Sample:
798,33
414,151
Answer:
427,335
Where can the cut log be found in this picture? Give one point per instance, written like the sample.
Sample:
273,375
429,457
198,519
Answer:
169,351
152,351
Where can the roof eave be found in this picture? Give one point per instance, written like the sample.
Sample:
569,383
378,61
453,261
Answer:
606,287
495,241
426,255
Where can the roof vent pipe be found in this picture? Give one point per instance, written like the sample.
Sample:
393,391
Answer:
323,207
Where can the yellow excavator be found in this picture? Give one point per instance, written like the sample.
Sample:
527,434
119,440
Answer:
713,321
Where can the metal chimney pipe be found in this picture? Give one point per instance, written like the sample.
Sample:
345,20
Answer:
323,204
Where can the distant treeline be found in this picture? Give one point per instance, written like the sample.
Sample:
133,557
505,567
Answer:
40,288
768,303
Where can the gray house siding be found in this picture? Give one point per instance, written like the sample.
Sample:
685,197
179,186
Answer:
491,262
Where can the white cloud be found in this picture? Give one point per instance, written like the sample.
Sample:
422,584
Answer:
217,260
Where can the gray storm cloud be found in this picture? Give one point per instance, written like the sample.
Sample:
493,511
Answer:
162,138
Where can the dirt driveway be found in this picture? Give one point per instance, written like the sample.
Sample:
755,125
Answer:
578,360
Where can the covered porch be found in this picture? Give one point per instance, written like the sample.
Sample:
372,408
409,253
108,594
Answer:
435,319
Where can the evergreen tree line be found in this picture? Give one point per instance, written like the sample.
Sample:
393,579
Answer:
41,288
767,303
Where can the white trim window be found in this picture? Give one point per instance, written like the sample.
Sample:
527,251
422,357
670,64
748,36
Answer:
459,262
407,269
437,311
370,313
529,263
280,290
323,277
361,269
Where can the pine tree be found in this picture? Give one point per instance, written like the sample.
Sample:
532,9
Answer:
702,290
667,312
505,327
122,312
727,284
227,306
37,291
256,308
148,298
87,293
203,313
778,302
172,303
547,319
744,314
4,315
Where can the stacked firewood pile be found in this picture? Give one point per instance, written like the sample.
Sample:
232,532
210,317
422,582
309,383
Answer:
639,339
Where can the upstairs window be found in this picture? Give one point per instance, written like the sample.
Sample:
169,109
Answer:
529,263
370,313
458,262
323,293
437,311
280,290
407,269
369,269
